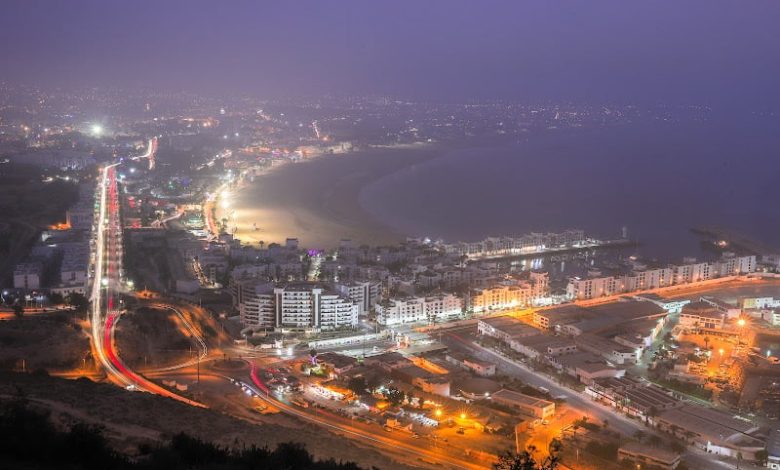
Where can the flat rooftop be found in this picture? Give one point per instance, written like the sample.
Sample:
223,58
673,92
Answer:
517,397
510,326
708,423
635,448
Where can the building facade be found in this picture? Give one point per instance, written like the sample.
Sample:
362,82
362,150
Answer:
304,306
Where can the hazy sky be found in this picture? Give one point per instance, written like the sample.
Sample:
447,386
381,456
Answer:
644,51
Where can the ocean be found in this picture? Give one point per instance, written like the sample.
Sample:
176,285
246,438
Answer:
658,180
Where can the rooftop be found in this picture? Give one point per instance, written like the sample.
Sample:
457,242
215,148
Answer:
517,397
708,423
510,326
635,448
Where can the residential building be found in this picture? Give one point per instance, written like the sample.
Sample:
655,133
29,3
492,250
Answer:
642,278
504,328
531,406
363,293
606,348
701,315
28,275
436,308
307,306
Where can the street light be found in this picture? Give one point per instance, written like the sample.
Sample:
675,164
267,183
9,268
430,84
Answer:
438,413
463,416
741,322
97,130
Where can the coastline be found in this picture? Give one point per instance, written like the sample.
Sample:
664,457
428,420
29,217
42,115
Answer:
317,201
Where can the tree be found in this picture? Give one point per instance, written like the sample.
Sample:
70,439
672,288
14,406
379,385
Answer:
525,460
394,396
357,385
18,311
555,446
77,301
55,298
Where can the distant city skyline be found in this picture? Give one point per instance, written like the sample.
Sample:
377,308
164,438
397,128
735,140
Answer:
662,52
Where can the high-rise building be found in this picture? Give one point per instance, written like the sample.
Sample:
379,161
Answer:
305,306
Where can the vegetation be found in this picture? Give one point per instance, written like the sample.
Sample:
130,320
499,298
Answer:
394,396
29,439
684,387
357,385
583,423
77,301
526,461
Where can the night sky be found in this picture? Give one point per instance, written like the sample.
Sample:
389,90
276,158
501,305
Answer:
700,52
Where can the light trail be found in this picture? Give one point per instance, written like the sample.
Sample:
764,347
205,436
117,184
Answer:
106,270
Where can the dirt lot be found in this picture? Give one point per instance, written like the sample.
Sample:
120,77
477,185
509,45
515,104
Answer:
149,337
131,418
52,342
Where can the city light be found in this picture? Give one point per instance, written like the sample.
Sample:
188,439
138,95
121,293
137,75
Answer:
438,413
741,322
97,130
463,416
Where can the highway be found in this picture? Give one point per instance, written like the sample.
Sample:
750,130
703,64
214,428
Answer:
150,154
107,282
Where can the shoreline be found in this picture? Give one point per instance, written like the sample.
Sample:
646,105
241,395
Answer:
317,201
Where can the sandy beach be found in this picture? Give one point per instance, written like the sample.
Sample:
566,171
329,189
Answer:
317,201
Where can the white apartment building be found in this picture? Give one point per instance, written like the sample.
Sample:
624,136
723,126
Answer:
507,246
701,315
255,303
432,309
28,275
509,294
365,294
644,279
75,264
247,276
306,306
